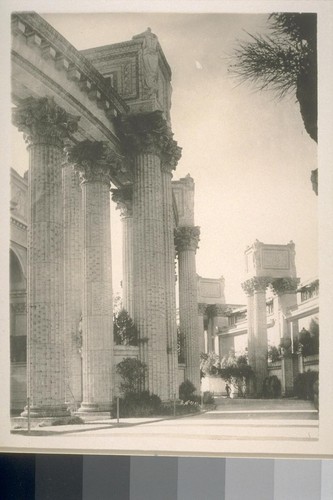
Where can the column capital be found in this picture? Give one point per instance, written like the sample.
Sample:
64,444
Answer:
149,133
94,160
123,197
285,285
256,284
43,121
187,238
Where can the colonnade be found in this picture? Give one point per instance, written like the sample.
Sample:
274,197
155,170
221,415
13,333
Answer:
69,259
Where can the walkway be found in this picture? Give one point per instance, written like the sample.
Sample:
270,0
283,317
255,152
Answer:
241,420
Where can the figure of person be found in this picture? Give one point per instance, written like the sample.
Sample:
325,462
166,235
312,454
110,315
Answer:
227,388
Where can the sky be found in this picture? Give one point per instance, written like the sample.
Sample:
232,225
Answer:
249,154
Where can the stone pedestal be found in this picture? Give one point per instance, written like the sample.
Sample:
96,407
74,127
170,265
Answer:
94,161
187,238
72,224
45,125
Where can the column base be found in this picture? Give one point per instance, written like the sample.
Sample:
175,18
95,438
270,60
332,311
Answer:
56,411
94,407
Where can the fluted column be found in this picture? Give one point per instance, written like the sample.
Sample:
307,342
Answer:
251,345
186,239
123,198
169,277
285,289
95,162
45,126
201,326
258,328
148,141
73,241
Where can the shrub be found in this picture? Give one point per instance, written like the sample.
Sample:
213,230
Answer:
68,421
272,387
304,385
182,408
186,391
308,340
208,398
132,372
137,404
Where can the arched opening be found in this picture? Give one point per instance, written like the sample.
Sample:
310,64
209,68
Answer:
18,333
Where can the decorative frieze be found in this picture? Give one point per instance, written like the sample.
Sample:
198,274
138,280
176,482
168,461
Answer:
43,121
285,285
256,284
95,161
187,238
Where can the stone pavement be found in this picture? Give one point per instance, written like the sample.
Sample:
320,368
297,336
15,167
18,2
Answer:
243,420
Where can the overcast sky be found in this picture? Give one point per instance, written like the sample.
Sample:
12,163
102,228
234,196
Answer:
248,153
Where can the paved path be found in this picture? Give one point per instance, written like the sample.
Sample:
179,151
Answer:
241,420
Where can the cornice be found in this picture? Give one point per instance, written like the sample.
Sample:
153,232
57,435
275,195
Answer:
61,92
32,23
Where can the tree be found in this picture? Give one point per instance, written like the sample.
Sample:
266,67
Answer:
210,364
124,330
236,370
286,62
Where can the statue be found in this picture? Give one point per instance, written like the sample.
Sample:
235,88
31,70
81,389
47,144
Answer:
150,62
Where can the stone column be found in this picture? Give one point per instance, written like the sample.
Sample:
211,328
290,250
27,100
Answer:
186,239
259,329
45,126
285,289
72,222
251,347
95,162
169,274
148,141
201,326
123,198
